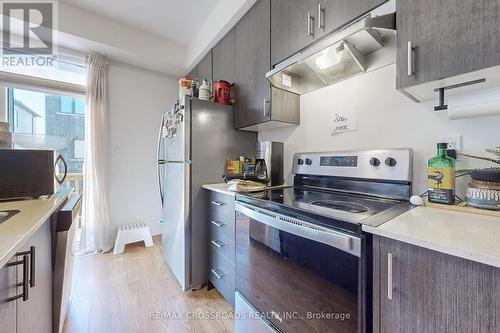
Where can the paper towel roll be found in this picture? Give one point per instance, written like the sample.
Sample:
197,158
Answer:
473,110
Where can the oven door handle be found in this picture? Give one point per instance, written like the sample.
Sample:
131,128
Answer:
337,239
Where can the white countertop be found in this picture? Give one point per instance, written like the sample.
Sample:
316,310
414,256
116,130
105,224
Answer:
221,188
18,229
470,236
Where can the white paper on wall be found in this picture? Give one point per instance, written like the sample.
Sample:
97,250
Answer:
345,120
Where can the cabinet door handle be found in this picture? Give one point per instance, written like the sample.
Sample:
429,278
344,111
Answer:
217,203
265,107
32,267
31,254
411,49
310,24
218,224
217,274
219,244
389,276
25,284
321,17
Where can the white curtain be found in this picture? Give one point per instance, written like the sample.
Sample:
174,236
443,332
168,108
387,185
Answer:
98,231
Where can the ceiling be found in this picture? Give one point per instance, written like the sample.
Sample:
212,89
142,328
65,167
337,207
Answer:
166,18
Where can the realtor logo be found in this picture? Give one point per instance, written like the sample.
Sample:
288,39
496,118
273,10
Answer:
28,27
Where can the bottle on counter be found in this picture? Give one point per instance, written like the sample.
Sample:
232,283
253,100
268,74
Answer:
441,177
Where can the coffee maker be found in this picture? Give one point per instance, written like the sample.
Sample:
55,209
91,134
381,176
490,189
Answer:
269,162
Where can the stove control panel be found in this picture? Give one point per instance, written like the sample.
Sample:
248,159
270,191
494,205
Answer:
383,164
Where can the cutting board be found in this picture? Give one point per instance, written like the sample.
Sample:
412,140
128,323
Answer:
463,209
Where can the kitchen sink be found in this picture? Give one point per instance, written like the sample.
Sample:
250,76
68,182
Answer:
7,214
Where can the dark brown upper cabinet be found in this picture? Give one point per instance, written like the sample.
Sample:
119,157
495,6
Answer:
205,68
442,39
223,58
295,24
252,61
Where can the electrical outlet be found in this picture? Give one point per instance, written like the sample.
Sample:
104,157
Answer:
454,141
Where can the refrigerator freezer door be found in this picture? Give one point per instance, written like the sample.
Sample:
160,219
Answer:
176,142
175,222
175,235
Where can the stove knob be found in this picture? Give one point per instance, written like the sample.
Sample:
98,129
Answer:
308,161
300,161
390,162
374,162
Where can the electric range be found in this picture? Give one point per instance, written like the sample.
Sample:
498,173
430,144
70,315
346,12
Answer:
303,263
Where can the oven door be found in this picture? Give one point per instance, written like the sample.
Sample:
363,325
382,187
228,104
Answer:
299,276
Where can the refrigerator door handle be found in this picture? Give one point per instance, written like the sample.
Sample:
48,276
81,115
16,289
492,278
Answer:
161,161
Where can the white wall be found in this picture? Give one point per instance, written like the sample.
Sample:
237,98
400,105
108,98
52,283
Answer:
137,98
386,119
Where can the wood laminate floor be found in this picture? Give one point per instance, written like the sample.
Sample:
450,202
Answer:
137,292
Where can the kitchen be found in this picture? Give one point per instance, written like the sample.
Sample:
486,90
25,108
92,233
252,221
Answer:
352,128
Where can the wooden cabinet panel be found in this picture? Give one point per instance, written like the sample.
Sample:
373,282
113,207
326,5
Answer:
35,314
223,58
433,292
221,247
205,68
7,290
289,22
221,275
289,32
338,13
252,61
449,38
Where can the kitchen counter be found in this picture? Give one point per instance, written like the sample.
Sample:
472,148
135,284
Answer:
19,228
221,188
470,236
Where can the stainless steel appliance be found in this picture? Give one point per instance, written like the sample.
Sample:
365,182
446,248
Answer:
195,139
366,44
302,260
28,173
269,161
65,221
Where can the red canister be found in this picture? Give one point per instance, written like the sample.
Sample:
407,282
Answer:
222,92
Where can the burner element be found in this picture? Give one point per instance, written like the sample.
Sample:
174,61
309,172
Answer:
350,207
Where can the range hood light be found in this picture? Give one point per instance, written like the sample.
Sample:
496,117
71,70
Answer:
329,57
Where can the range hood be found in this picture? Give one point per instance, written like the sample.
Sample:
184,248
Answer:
365,44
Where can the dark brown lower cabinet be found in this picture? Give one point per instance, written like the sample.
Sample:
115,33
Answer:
7,290
420,290
33,315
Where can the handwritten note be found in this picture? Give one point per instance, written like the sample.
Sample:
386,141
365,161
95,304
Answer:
345,121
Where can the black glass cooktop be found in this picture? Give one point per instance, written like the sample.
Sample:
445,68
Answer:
346,207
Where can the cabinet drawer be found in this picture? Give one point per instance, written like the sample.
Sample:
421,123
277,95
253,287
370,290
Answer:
221,205
222,225
221,274
222,246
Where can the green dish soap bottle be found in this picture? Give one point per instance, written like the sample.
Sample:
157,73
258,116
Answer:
441,177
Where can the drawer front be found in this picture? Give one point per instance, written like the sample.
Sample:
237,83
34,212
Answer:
221,225
221,204
221,274
222,246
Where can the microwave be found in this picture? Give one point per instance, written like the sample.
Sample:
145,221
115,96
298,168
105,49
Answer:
28,173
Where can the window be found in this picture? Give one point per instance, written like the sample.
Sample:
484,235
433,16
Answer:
41,120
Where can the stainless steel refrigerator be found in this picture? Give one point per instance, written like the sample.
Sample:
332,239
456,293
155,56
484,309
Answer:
195,139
